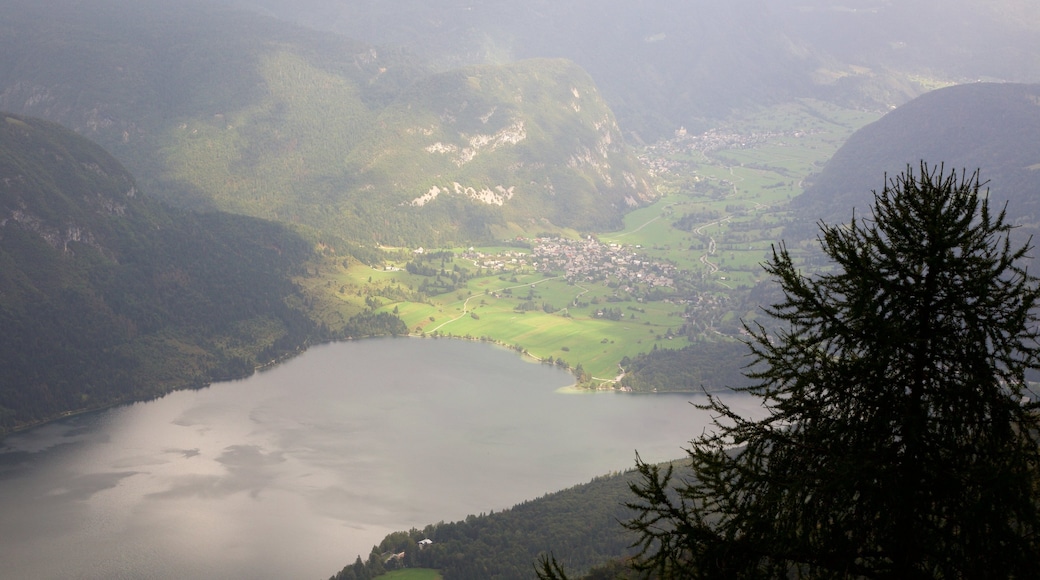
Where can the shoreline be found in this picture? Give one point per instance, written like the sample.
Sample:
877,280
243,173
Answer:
187,386
573,389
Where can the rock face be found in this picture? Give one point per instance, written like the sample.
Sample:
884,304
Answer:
59,186
532,141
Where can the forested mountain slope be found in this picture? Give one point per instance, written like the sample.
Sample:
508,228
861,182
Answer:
992,127
216,108
484,147
581,526
665,64
107,296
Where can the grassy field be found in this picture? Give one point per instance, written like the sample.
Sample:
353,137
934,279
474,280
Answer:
488,309
723,205
733,190
411,574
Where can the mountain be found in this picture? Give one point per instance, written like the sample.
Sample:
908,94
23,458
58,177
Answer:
107,296
213,107
661,65
991,127
964,40
521,143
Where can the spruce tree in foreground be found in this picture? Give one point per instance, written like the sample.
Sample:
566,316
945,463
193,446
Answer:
901,439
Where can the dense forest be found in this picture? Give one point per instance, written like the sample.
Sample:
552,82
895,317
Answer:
107,296
578,525
711,366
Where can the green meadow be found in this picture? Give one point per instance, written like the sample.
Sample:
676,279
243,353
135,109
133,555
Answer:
411,574
721,209
726,207
492,309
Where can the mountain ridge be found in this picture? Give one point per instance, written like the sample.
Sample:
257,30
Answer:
217,108
107,296
991,127
532,138
666,65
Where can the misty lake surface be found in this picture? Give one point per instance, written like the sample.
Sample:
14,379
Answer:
297,470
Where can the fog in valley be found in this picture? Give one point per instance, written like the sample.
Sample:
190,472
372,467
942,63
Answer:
286,284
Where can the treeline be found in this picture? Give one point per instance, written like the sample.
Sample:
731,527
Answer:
704,365
580,526
374,324
439,278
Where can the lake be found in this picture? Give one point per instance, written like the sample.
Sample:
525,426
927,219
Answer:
295,471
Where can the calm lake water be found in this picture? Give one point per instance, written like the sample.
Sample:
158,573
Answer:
295,471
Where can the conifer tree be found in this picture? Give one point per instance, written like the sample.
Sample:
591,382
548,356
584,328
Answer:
901,436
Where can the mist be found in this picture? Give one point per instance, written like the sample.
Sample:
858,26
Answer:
194,191
665,64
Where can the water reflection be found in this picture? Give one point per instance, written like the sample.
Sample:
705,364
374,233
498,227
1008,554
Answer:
295,471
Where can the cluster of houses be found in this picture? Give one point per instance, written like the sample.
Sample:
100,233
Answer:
585,260
591,261
665,156
505,261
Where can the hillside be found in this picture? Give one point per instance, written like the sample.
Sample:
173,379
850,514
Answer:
661,65
580,526
216,108
986,126
107,296
529,143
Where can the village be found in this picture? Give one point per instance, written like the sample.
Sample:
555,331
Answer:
584,260
663,156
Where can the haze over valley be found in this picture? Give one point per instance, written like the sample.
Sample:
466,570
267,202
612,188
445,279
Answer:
193,192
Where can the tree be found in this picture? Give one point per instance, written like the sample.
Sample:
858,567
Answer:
901,437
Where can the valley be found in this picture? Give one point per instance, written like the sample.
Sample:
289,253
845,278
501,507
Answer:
236,192
680,272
